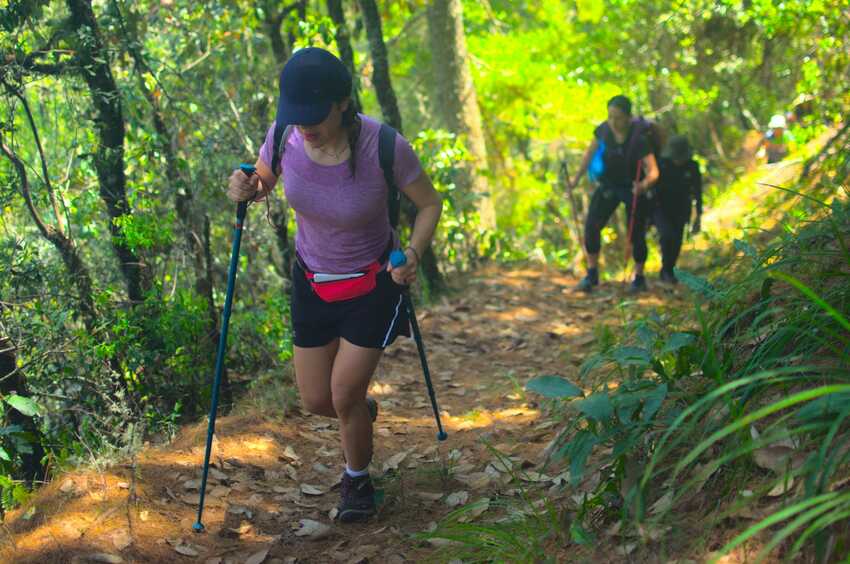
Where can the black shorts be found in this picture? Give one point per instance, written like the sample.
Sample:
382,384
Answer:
373,321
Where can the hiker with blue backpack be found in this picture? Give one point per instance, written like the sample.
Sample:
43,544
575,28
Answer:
621,159
346,302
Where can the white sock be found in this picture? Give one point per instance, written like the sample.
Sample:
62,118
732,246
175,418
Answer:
356,473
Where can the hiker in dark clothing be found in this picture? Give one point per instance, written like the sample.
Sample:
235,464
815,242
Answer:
679,183
625,146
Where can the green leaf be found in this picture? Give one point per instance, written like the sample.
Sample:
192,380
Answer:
746,248
554,387
25,405
653,402
596,406
577,451
591,363
697,284
579,534
631,356
5,455
676,341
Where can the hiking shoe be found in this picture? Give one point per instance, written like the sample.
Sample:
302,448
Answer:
586,285
668,277
357,499
372,405
638,285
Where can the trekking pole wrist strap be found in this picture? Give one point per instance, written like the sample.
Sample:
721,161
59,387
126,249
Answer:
416,254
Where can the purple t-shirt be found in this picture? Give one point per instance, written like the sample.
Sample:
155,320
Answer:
343,222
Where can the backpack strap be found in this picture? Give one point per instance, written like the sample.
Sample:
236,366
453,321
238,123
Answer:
386,157
281,136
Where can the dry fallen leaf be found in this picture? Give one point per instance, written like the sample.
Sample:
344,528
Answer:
312,490
393,461
219,491
428,495
186,550
259,557
476,480
782,487
68,486
778,458
289,453
476,510
313,530
192,484
457,498
121,539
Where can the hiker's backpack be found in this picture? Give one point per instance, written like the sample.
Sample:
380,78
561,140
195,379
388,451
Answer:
654,133
386,158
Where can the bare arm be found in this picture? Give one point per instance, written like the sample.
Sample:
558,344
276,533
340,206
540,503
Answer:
585,162
651,168
256,187
429,206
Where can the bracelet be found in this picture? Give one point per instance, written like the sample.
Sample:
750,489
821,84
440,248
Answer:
414,252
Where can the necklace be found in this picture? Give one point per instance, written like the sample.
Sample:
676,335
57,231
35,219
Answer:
333,154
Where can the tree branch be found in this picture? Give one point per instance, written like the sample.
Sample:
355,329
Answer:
46,230
51,194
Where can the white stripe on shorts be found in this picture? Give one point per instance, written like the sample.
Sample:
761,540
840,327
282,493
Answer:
392,323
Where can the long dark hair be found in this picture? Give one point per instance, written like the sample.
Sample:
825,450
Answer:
351,123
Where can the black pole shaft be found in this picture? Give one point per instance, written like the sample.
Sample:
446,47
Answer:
241,210
417,336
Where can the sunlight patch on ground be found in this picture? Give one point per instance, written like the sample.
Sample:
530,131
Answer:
381,389
516,314
477,418
566,330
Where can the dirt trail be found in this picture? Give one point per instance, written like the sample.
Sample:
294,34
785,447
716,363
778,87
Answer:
502,328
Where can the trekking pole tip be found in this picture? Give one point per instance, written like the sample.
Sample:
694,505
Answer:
198,527
442,436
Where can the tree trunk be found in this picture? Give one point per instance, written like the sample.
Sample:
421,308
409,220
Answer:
455,101
346,53
392,117
109,159
32,468
380,64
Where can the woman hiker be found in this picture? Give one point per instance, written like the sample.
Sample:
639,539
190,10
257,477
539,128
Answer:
624,144
346,301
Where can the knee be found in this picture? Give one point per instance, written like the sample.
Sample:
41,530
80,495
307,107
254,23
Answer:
345,398
317,404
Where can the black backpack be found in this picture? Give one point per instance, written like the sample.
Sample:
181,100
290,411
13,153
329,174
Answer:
386,158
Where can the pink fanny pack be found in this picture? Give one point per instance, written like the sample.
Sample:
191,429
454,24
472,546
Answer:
341,287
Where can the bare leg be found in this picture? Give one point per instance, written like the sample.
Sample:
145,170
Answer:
352,370
313,367
639,268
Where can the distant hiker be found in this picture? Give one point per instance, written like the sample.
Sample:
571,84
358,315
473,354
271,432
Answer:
619,145
346,304
776,139
679,183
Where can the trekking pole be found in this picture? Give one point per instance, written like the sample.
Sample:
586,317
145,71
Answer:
565,173
241,211
632,215
398,258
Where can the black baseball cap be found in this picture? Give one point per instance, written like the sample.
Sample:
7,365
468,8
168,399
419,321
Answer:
678,148
310,82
